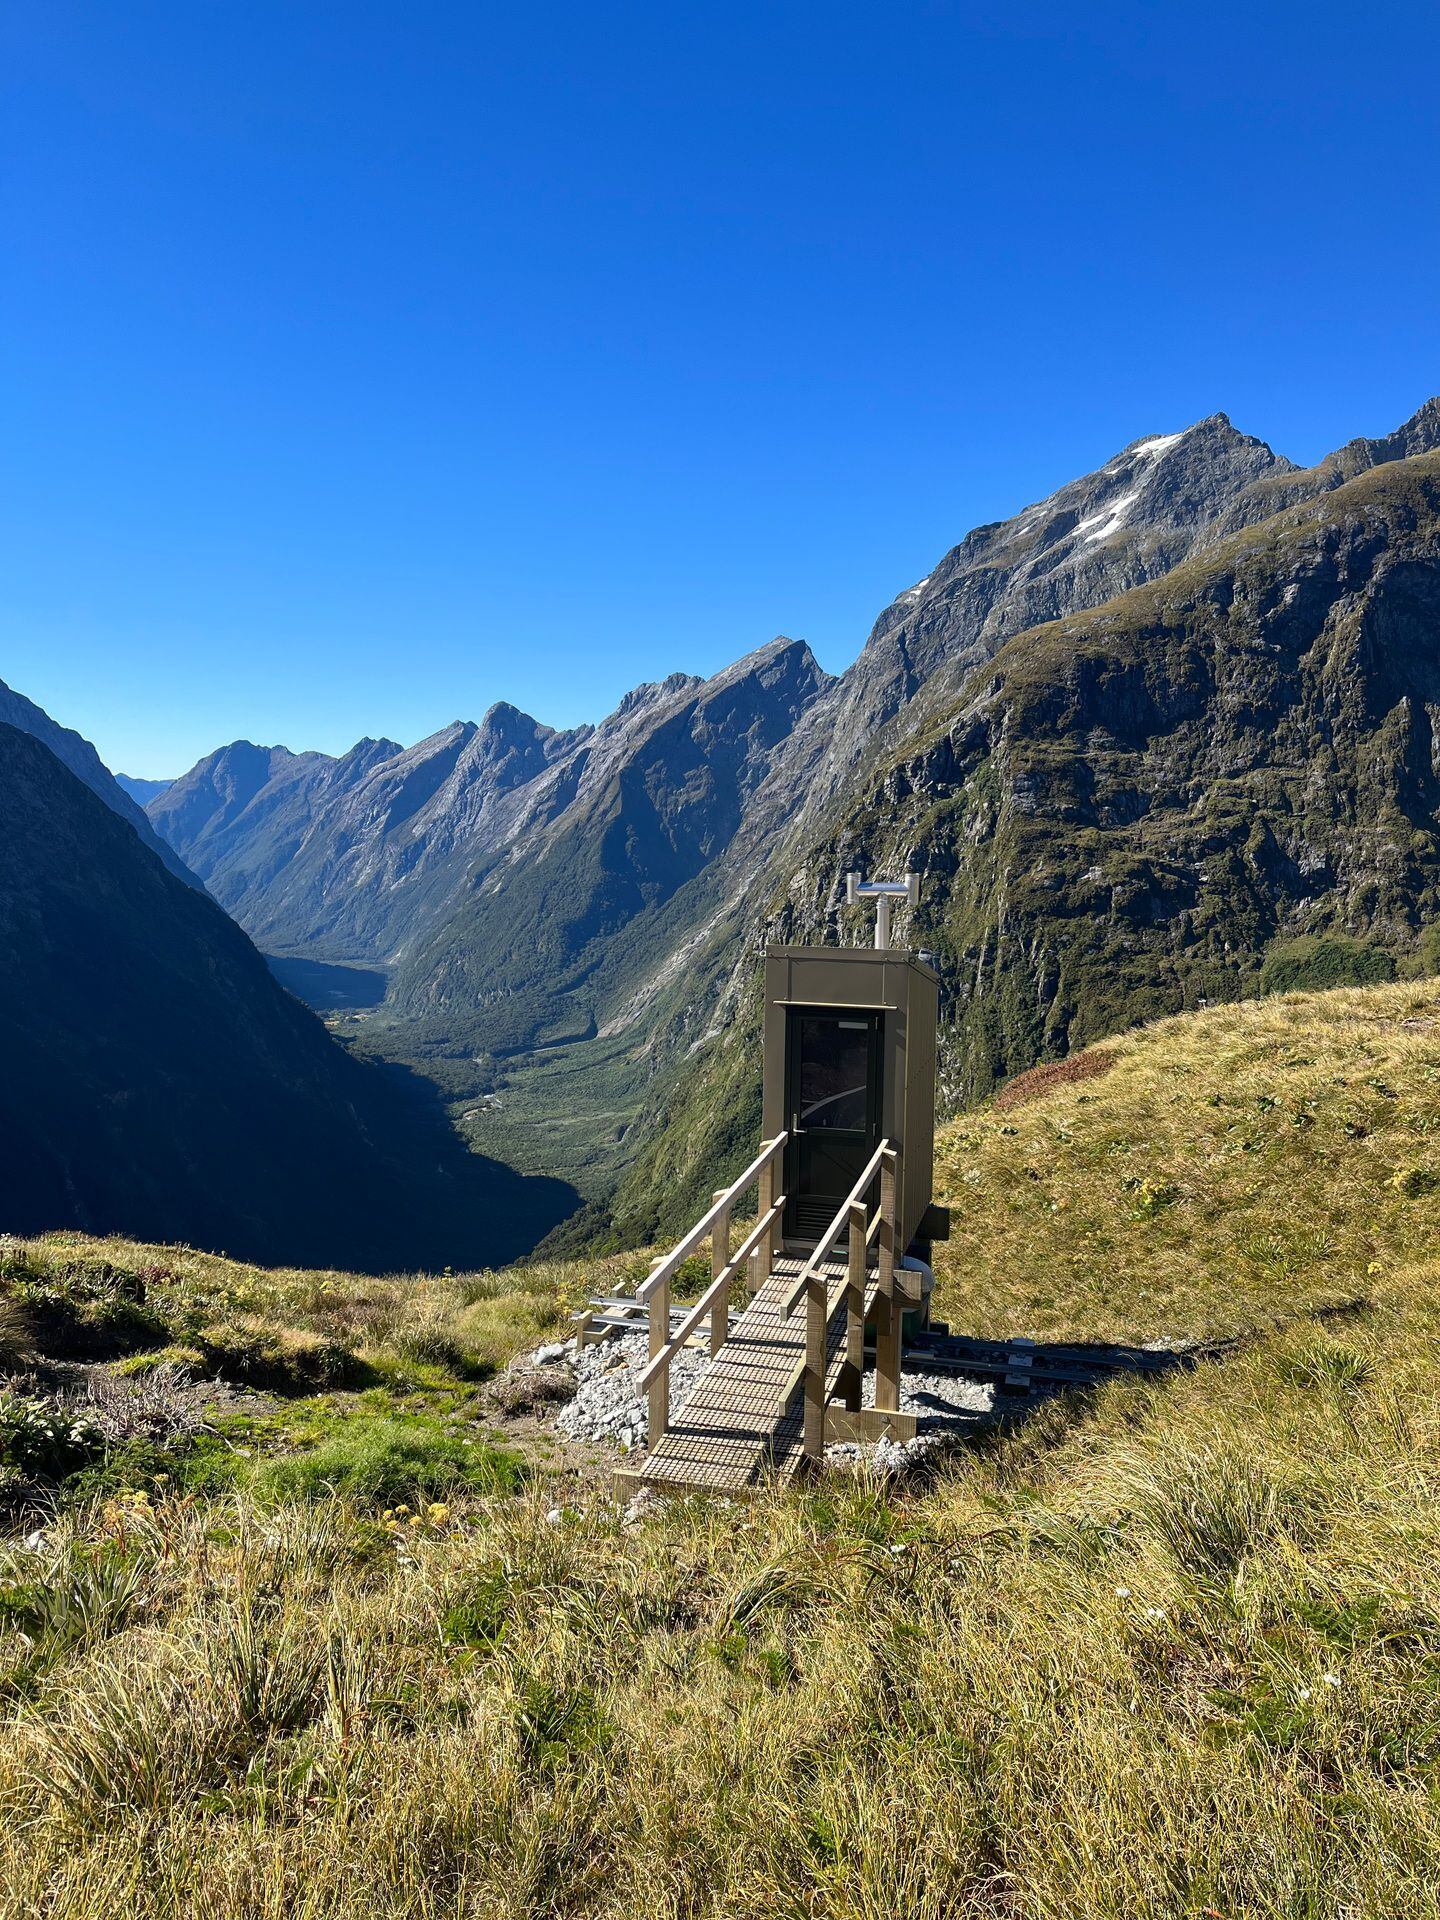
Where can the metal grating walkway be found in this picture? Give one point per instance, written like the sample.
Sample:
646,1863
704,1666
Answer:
745,1416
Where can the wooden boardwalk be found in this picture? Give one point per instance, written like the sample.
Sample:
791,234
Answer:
744,1419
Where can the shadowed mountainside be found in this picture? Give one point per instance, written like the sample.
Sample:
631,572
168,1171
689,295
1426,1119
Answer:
159,1081
74,751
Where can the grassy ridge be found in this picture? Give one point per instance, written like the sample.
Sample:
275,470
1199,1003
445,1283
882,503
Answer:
1229,1168
1214,784
1169,1648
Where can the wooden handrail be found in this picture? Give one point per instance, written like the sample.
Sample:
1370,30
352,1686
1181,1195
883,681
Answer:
821,1299
833,1232
665,1267
721,1284
833,1297
713,1224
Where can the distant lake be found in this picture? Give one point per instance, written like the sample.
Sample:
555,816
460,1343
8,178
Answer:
328,988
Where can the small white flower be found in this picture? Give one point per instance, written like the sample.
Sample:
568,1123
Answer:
1122,1593
1304,1693
1332,1679
899,1547
1154,1613
554,1517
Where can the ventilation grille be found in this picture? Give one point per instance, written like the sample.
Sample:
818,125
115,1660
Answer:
812,1217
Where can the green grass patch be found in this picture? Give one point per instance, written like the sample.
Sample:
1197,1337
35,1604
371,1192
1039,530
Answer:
1316,961
385,1458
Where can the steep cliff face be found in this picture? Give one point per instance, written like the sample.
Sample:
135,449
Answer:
1131,520
1128,811
75,752
159,1082
560,913
611,889
484,864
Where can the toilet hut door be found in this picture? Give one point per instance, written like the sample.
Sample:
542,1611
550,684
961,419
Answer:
832,1105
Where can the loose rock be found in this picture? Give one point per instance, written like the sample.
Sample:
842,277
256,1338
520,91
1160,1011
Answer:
608,1403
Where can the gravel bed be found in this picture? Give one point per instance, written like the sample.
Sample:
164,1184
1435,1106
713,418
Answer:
935,1396
936,1399
608,1405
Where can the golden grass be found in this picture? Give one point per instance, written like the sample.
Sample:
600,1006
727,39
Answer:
479,1319
1170,1649
1228,1168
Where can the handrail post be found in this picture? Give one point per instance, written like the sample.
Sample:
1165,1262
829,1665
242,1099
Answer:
889,1307
659,1420
719,1260
855,1311
816,1316
765,1252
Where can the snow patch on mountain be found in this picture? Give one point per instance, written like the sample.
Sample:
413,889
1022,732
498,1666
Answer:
1159,443
1099,526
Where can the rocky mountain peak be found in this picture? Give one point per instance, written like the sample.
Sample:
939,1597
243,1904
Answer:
506,722
369,749
219,788
649,692
508,748
1135,517
784,668
1419,434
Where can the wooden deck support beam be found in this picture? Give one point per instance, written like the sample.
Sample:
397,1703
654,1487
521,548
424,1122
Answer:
659,1389
889,1308
867,1425
719,1260
817,1303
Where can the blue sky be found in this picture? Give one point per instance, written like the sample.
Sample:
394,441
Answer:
364,364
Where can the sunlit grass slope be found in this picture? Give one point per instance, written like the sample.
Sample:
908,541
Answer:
1169,1649
1219,1172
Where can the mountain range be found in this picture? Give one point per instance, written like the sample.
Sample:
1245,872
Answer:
1226,779
599,896
159,1082
1168,735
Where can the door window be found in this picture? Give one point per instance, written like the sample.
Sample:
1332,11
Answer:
834,1072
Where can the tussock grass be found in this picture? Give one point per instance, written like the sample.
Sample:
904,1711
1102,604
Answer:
1168,1648
68,1296
1177,1646
1229,1169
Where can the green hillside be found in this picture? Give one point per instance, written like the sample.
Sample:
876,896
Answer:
366,1647
1217,783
